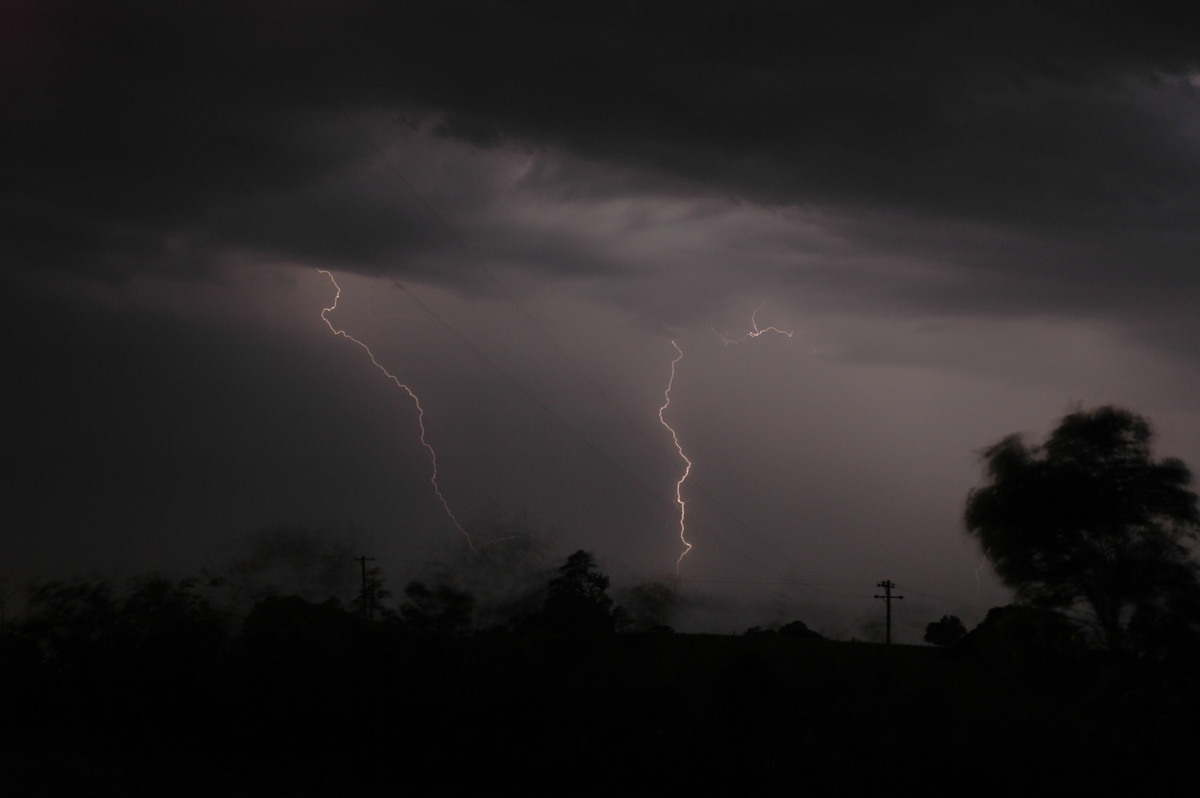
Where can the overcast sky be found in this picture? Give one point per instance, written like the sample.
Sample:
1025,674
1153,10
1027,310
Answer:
972,217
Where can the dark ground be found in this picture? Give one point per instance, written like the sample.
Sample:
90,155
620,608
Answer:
319,703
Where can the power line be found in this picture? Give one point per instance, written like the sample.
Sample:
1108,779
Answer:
945,599
888,598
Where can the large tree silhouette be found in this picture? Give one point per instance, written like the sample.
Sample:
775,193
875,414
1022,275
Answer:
1090,523
577,599
946,632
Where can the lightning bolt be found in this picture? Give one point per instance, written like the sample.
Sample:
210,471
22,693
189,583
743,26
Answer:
688,463
755,330
433,462
983,562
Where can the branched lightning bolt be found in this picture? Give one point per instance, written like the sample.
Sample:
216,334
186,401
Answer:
433,462
688,463
755,330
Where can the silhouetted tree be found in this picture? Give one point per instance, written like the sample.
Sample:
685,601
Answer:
1172,624
442,610
577,599
798,630
649,605
73,626
290,646
173,625
1088,522
1021,631
369,601
289,561
946,632
156,638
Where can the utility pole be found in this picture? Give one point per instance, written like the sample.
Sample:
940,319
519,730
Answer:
887,596
367,603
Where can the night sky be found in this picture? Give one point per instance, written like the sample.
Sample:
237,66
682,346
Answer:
974,218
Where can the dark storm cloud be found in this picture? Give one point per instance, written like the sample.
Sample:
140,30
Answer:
134,124
130,124
1008,110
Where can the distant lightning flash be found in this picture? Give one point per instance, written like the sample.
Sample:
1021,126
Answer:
978,584
755,330
688,463
433,477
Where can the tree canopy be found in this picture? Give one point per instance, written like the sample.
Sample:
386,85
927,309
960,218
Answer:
1089,522
442,609
577,599
946,632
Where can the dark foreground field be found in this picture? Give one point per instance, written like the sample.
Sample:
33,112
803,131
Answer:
351,709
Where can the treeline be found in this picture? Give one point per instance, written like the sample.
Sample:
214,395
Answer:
156,689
